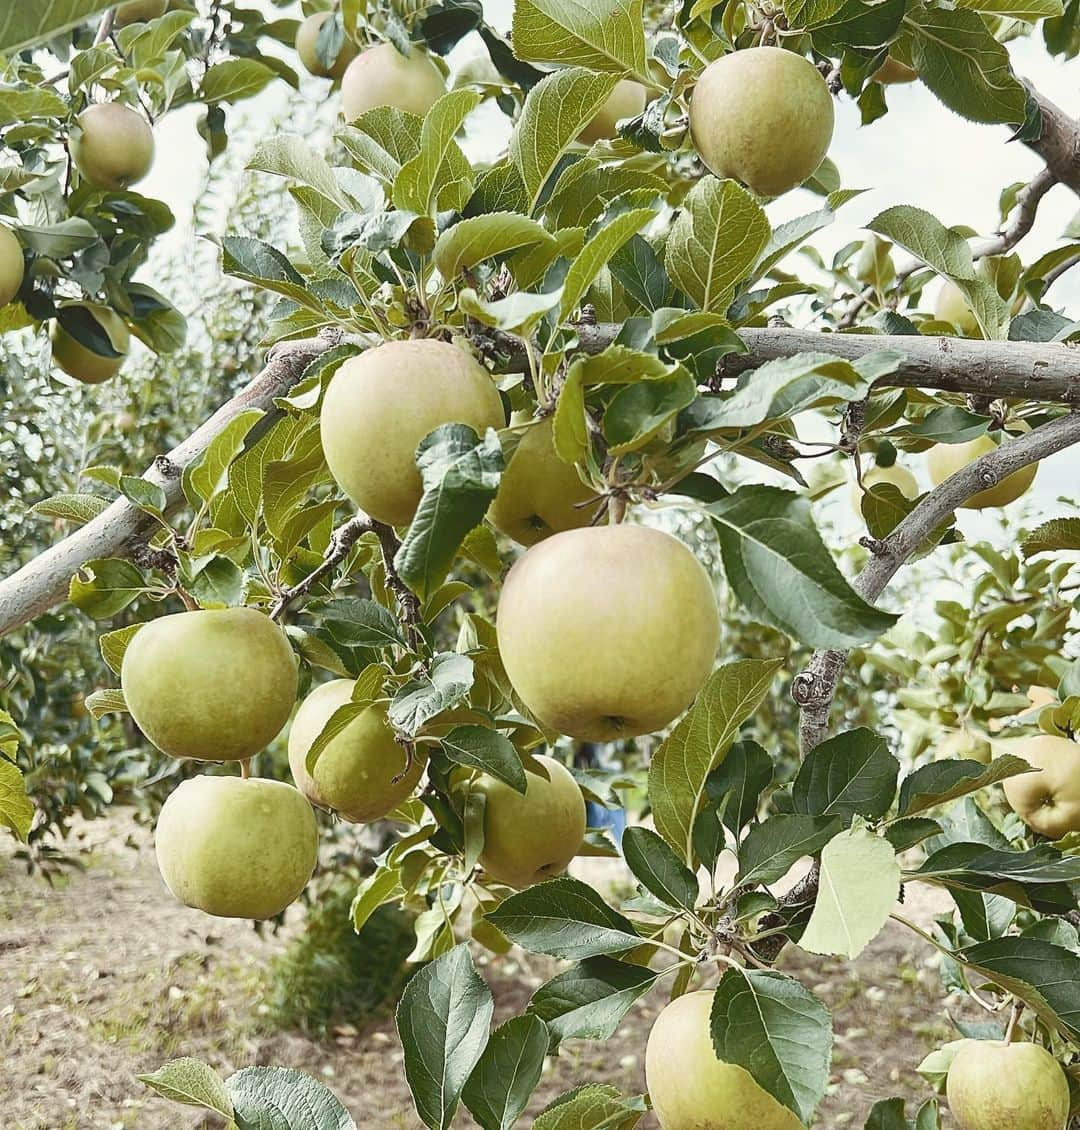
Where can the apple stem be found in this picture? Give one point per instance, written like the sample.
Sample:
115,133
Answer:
245,768
1014,1016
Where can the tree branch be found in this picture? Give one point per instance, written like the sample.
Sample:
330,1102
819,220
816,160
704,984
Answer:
341,541
1058,143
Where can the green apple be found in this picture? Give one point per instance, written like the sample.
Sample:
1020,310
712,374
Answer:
892,71
965,746
995,1086
112,146
80,361
382,76
380,405
214,685
531,837
691,1089
139,11
307,37
11,265
763,116
357,772
951,306
900,477
539,494
1048,801
236,847
945,459
607,632
627,100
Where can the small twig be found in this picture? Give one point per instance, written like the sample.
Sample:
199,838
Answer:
407,600
1014,1016
105,27
245,768
341,542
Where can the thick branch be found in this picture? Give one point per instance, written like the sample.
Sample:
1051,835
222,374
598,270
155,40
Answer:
1058,143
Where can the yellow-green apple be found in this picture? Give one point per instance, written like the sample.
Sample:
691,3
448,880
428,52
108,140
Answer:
609,631
900,477
763,116
539,494
627,100
964,745
1048,801
531,837
691,1089
892,71
138,11
307,38
80,361
951,306
362,772
11,265
236,847
112,145
382,76
945,459
213,685
997,1086
380,405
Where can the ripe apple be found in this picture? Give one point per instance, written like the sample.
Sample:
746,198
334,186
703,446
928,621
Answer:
1047,801
380,405
533,837
11,265
1021,1086
965,746
139,11
355,774
539,494
112,146
900,477
763,116
892,71
627,100
945,459
609,631
307,38
691,1089
81,362
382,76
214,685
951,306
236,847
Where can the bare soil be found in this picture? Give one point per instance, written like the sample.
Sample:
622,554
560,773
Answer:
104,976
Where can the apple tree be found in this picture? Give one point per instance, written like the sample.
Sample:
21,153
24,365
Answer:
457,518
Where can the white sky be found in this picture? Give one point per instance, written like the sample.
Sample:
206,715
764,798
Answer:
919,154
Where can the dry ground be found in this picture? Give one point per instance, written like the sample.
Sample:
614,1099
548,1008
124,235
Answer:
105,976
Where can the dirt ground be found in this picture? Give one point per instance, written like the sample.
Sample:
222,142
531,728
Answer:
104,976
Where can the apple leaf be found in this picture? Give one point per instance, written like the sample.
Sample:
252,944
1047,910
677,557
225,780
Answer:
591,259
658,869
772,847
505,1076
357,622
604,35
442,1021
107,700
106,586
682,764
77,508
380,887
1052,536
114,644
417,186
23,25
444,685
16,810
480,747
850,774
564,918
589,1000
858,886
265,1097
781,571
777,1030
193,1083
942,781
472,241
594,1106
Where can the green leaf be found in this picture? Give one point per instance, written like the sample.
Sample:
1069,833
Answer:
658,869
380,887
1051,537
595,254
191,1082
33,102
109,700
357,622
144,494
517,313
207,475
504,1078
857,888
772,847
850,774
233,79
430,693
480,747
942,781
78,508
472,241
59,240
276,1098
780,570
714,242
590,1107
442,1021
681,765
733,789
564,918
218,583
460,472
637,412
114,644
556,110
105,586
16,811
605,35
589,1000
24,25
286,155
417,185
777,1030
570,425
